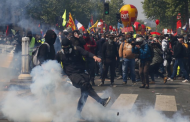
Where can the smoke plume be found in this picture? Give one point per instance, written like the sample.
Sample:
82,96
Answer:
53,99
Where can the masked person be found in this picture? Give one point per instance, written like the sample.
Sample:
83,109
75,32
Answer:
77,39
109,55
90,63
73,65
143,50
179,55
125,52
46,50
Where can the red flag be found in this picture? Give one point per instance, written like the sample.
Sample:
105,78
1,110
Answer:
91,20
102,25
7,31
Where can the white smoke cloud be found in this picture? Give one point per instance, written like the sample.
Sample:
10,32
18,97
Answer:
51,98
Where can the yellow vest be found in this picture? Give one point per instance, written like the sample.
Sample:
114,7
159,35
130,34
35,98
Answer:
31,46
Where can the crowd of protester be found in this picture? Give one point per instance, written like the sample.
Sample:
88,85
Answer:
123,55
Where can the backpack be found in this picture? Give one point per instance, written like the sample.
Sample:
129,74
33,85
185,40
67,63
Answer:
35,59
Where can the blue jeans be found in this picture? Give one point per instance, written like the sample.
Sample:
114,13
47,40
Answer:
131,64
179,62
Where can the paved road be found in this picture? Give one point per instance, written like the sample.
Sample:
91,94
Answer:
168,98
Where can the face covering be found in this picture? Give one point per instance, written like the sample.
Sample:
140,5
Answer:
129,40
67,51
110,41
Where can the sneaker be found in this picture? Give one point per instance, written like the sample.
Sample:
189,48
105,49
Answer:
106,101
147,87
169,79
165,79
101,84
134,84
124,83
152,82
185,81
120,77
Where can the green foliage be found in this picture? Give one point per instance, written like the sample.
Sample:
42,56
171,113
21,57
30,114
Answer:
166,11
48,10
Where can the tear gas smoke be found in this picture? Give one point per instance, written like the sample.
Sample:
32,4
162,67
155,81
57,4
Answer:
54,99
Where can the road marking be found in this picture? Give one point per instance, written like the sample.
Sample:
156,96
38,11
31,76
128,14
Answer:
125,100
165,103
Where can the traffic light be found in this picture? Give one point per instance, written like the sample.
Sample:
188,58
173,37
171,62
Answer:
106,8
118,17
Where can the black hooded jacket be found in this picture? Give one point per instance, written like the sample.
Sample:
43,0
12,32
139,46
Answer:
44,53
78,41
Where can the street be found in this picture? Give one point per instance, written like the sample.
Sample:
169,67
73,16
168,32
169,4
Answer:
168,98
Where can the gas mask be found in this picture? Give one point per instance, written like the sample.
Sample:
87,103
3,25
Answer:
67,50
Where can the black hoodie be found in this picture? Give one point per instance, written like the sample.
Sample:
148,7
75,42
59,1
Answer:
44,53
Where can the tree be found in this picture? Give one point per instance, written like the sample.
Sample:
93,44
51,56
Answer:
166,11
48,10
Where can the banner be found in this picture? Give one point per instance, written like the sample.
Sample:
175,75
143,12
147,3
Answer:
71,23
64,19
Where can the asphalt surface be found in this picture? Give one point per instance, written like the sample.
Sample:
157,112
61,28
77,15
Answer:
147,97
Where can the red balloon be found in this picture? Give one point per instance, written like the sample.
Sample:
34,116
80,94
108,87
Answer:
157,22
137,26
110,27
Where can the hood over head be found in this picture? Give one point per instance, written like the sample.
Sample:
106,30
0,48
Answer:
50,37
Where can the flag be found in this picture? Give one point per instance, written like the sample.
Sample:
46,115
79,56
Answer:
7,31
91,20
172,32
185,27
119,25
95,25
64,18
79,25
89,25
134,29
13,31
71,22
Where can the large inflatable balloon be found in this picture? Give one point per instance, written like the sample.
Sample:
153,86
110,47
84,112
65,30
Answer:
128,14
137,26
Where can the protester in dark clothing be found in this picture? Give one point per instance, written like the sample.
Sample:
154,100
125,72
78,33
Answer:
143,49
73,65
98,52
77,39
179,51
46,50
157,60
90,63
109,55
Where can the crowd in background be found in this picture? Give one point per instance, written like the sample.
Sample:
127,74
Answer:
124,55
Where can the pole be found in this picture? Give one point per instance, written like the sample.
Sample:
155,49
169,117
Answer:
25,73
